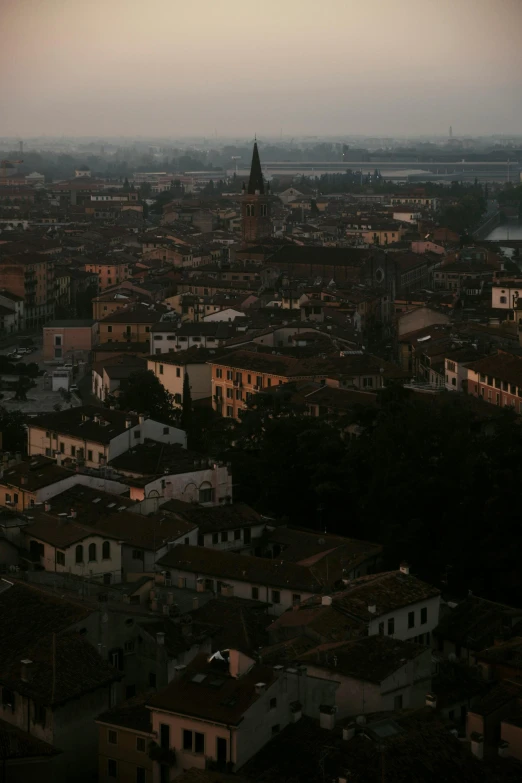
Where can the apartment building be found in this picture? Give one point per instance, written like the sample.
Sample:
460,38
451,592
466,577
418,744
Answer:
236,378
132,324
93,436
31,277
109,272
171,369
168,336
72,340
497,379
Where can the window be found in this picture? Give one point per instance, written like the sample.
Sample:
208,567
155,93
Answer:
40,714
219,372
391,626
224,536
276,729
230,411
453,381
229,375
109,328
129,646
424,615
60,558
101,457
255,593
73,451
106,550
164,773
79,553
259,380
276,597
411,619
201,539
206,495
397,702
112,768
140,775
230,394
92,552
381,629
137,554
247,535
112,737
193,741
89,455
8,698
164,735
152,680
269,381
215,538
296,598
62,448
165,430
161,369
137,434
367,382
273,703
503,300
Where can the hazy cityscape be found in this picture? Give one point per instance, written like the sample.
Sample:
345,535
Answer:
260,392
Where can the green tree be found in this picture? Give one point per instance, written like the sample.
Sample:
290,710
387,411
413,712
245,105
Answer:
144,393
186,411
22,387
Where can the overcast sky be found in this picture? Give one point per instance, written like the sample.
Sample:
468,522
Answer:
235,67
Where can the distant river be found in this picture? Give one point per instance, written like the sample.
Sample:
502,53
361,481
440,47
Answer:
506,231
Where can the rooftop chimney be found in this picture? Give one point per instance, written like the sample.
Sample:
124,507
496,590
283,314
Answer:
128,424
503,749
195,603
260,687
25,669
326,600
404,568
160,637
141,418
178,670
47,506
372,608
349,731
72,513
431,700
327,717
477,744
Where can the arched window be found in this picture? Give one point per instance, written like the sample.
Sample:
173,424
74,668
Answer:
92,551
250,210
106,550
263,210
79,553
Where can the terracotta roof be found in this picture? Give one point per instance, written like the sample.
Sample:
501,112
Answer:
227,565
34,474
386,591
80,423
505,366
61,533
153,458
215,518
370,658
239,623
133,315
217,697
132,714
19,745
29,618
475,622
258,362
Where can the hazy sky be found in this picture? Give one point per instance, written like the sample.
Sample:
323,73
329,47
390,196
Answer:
177,67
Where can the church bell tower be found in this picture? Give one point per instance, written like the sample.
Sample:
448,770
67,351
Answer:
255,204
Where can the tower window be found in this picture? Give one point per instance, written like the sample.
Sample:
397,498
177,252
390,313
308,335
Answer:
250,210
263,210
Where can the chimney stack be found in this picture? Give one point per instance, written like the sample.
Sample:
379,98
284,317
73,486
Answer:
404,568
326,600
431,700
160,637
327,717
25,670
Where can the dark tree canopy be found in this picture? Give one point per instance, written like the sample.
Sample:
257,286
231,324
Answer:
144,393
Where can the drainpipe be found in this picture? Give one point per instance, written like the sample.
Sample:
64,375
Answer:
230,745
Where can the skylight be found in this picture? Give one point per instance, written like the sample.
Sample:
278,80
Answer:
198,677
96,500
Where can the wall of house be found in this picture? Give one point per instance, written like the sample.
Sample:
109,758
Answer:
154,430
244,589
506,297
419,319
513,735
495,391
234,538
125,753
187,486
401,620
94,568
71,338
228,314
172,377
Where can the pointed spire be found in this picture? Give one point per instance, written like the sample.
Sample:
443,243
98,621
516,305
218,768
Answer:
255,183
